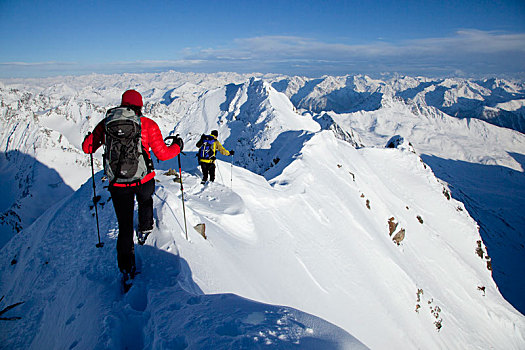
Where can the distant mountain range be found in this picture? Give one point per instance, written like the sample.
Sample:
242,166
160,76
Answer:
496,101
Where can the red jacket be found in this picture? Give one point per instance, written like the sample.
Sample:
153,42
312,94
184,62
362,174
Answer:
151,138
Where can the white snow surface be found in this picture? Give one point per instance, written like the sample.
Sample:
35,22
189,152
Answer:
298,252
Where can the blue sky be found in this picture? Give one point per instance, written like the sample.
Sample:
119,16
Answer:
312,38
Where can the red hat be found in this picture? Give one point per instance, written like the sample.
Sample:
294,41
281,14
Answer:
132,98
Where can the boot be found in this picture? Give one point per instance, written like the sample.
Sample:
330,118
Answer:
143,235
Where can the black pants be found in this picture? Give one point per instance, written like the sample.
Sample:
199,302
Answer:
124,202
208,169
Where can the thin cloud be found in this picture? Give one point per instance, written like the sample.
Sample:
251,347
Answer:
475,41
469,52
291,47
44,69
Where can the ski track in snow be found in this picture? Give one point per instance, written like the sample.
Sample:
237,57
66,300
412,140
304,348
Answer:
310,275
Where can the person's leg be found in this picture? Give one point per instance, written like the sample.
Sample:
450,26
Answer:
204,168
144,194
211,170
124,201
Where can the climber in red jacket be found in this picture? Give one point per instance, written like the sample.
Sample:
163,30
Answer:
128,137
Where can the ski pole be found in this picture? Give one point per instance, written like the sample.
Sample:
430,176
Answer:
95,201
173,138
220,174
231,173
182,194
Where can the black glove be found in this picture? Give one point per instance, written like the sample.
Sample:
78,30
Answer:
178,141
232,152
175,140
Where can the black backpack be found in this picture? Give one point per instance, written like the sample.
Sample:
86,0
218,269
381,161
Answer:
125,159
206,149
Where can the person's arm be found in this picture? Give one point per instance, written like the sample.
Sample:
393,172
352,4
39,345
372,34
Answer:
153,139
221,149
94,140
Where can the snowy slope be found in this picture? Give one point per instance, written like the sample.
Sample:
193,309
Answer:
483,166
41,162
290,244
73,300
301,219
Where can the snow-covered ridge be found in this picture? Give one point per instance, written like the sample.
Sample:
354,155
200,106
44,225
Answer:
304,223
260,123
481,99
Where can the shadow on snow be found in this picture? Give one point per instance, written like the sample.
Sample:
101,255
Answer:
495,197
28,189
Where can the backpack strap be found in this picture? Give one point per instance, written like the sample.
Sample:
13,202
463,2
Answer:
149,162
